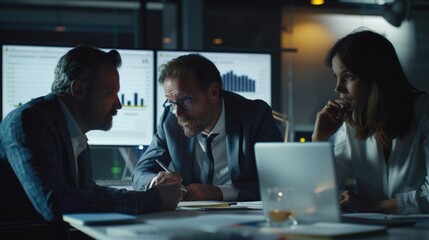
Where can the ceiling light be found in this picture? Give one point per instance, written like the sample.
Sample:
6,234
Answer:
317,2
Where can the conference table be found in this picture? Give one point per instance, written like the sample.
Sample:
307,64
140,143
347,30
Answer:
219,224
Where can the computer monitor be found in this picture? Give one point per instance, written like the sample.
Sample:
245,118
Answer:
28,72
248,74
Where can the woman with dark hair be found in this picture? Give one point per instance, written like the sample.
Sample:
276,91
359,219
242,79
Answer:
381,127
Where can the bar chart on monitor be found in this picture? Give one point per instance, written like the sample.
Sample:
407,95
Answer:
133,125
247,74
28,72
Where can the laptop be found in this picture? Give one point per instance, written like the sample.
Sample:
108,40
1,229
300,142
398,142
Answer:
309,169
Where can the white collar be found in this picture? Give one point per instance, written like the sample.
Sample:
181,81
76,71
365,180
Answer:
220,124
78,138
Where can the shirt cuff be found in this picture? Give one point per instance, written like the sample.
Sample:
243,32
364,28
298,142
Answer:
407,203
150,185
229,192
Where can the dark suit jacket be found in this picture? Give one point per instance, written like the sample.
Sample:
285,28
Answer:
37,170
247,122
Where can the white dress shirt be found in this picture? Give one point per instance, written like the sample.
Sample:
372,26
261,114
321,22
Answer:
222,174
78,139
403,177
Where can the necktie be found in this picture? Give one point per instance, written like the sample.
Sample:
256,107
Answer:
208,161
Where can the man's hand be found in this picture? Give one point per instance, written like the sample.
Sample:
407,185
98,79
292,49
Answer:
197,192
171,194
165,177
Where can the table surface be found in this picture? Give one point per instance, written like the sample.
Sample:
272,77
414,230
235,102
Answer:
104,232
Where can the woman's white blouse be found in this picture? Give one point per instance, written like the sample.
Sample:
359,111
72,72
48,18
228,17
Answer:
404,176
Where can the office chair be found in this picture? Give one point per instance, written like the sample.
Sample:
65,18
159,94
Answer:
283,119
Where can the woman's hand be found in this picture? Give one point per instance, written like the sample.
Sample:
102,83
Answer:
329,120
388,206
349,198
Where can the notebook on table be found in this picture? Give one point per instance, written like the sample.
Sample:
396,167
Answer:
309,169
99,218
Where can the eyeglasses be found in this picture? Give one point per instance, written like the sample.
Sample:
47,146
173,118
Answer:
184,103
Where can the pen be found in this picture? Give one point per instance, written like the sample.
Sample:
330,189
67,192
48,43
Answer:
167,170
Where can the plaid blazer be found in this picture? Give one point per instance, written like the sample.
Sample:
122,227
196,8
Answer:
37,176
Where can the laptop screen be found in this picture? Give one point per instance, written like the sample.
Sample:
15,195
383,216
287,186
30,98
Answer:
308,169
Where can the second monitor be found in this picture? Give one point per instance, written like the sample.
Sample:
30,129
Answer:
248,74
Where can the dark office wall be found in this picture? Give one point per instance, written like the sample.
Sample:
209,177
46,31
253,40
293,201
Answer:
242,27
251,28
417,70
60,25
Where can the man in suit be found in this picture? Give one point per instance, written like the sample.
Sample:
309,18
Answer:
45,169
197,109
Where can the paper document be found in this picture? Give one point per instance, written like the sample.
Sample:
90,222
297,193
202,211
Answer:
251,204
392,220
209,205
388,216
204,204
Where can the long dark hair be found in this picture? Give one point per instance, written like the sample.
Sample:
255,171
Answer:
373,59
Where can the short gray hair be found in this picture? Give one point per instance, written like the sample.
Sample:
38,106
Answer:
204,69
81,63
